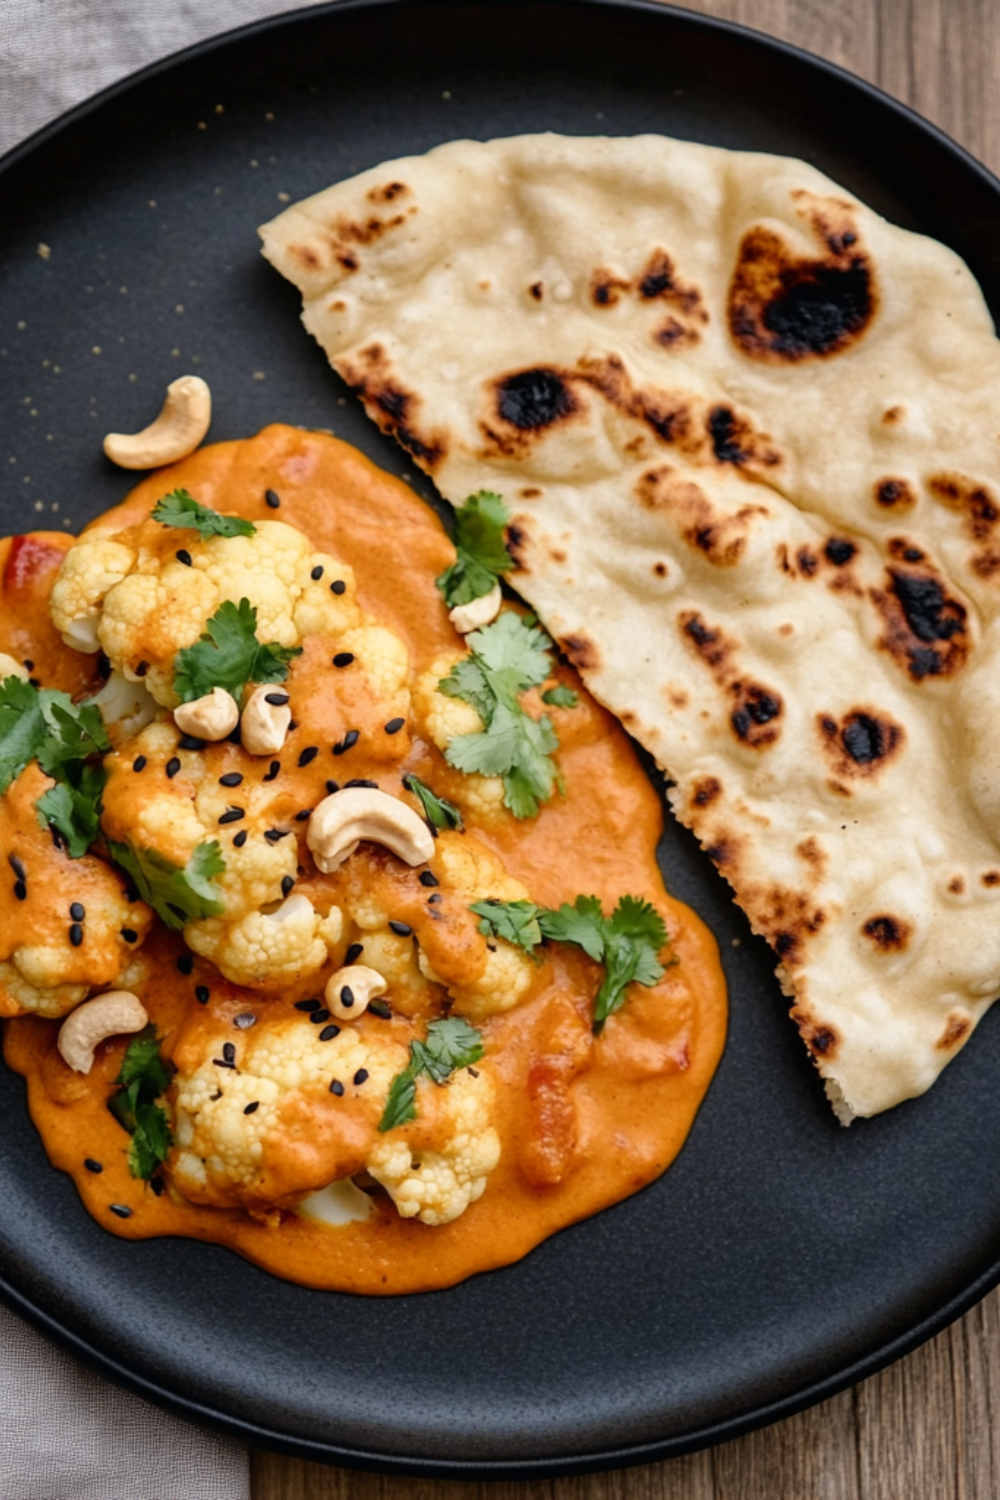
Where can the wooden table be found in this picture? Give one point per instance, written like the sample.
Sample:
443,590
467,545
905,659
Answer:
928,1428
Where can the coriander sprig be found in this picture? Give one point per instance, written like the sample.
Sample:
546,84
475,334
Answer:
143,1078
451,1043
482,555
229,655
438,811
65,738
176,894
181,509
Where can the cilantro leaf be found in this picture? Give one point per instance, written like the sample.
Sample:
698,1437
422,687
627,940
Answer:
176,895
509,656
635,935
22,728
516,921
451,1043
75,731
482,553
229,655
582,924
439,812
44,724
561,696
142,1079
74,808
181,509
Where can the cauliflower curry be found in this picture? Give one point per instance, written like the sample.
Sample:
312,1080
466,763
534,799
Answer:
415,997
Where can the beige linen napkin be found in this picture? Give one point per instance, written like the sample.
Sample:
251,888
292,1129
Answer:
66,1434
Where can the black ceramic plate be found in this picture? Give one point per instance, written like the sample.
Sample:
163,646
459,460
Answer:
782,1257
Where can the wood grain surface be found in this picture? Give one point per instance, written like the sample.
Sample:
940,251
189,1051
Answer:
928,1428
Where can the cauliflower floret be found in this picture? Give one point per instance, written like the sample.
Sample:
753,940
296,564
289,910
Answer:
382,655
70,927
285,944
301,1134
126,707
436,1186
146,593
444,719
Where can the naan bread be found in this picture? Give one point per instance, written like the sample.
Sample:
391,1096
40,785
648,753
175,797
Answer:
750,436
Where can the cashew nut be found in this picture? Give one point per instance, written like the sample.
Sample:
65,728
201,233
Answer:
177,431
344,818
111,1014
11,668
264,725
349,990
477,612
209,718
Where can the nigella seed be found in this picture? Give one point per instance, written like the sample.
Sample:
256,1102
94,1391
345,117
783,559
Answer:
233,815
394,726
20,890
142,669
360,1077
380,1009
139,764
128,934
427,877
308,754
183,556
301,817
276,700
76,934
333,786
273,835
252,1109
336,1087
156,1183
346,996
17,865
173,766
202,993
92,1165
401,929
431,899
190,742
353,953
229,1051
29,666
185,963
287,881
272,499
307,1005
77,912
273,770
474,1072
240,839
343,658
35,681
338,587
245,1019
317,573
329,1032
120,1210
348,742
223,1062
231,778
319,1016
361,781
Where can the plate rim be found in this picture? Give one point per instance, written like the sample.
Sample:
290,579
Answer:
703,1437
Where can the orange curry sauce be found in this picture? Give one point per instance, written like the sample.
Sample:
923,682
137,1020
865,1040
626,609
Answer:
583,1122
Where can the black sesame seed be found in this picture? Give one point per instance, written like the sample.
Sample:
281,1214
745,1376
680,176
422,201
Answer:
245,1019
156,1183
129,935
183,556
273,835
252,1109
185,963
317,573
231,778
333,786
361,781
301,817
293,726
233,815
348,742
190,742
139,764
343,658
240,839
474,1072
17,866
276,700
202,993
229,1051
29,666
346,996
329,1032
272,499
353,953
223,1062
336,1087
35,681
131,894
77,912
92,1165
173,766
338,587
287,881
402,929
427,877
142,669
380,1009
76,934
20,890
394,726
120,1210
360,1077
308,754
432,899
273,770
319,1016
307,1005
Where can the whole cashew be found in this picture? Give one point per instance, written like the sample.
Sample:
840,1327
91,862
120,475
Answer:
114,1013
477,612
344,818
264,725
349,990
211,717
11,668
177,431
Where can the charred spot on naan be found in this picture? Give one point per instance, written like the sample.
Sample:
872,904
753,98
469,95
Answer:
581,651
756,709
783,307
735,441
390,405
895,494
990,878
659,281
721,538
607,289
980,511
889,934
958,1025
821,1039
926,630
860,744
524,406
786,917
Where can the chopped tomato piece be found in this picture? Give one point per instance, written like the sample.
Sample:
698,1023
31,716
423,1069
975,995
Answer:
28,561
